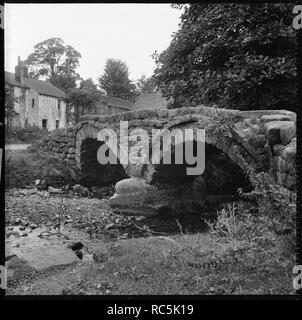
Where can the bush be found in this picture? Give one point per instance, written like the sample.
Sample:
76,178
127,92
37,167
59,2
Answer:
24,135
58,173
22,168
268,223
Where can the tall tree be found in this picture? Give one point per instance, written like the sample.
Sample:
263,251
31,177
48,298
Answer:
238,56
89,85
145,84
84,98
115,80
56,62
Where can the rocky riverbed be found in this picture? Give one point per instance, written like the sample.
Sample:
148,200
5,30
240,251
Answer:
43,229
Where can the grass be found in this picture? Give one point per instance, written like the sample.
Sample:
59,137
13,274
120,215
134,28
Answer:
23,167
158,266
16,135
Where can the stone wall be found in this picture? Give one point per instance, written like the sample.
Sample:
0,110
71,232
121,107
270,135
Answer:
61,142
271,139
265,139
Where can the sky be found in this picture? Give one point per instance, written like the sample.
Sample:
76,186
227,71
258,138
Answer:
130,32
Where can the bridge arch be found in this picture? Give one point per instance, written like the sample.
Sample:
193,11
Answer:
220,152
91,171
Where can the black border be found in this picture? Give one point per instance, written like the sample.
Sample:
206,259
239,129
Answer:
2,111
147,300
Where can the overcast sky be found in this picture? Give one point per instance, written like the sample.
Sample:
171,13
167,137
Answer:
130,32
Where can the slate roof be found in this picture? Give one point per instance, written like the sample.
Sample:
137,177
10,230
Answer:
44,87
117,102
150,101
40,86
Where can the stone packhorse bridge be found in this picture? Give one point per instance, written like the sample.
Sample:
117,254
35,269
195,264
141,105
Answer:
264,139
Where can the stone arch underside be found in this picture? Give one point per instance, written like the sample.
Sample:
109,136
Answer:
91,171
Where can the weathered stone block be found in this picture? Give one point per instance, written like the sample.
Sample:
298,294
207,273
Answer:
287,133
257,141
282,165
289,154
72,142
275,117
241,131
132,185
272,130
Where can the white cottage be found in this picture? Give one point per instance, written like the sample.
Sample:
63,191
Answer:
39,103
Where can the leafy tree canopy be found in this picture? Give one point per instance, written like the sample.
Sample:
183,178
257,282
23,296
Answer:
56,62
115,80
239,56
84,98
88,85
145,84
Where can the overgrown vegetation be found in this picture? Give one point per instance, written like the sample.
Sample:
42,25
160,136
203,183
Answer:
239,56
22,168
24,135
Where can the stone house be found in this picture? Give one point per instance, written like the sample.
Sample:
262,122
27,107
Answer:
38,103
111,105
106,105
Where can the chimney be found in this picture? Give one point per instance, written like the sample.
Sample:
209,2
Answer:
21,71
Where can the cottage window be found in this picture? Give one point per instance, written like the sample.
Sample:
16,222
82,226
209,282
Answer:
33,102
59,105
44,123
57,124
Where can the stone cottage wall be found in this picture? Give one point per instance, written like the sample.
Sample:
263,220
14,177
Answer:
48,109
